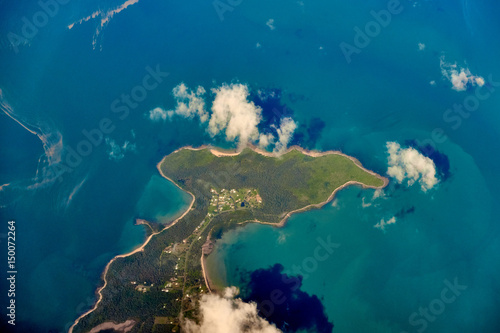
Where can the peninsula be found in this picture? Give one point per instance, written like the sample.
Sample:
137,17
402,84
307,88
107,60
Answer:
155,287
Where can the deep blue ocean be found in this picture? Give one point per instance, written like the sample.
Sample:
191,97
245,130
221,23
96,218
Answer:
61,83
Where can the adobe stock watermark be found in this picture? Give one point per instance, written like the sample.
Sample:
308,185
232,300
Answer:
420,319
121,107
223,6
309,265
372,29
31,27
455,115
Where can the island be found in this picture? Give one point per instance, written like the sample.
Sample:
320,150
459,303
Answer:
155,287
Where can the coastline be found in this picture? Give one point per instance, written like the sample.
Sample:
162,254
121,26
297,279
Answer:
221,153
208,282
139,249
283,221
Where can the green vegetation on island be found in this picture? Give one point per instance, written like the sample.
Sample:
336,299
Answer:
161,285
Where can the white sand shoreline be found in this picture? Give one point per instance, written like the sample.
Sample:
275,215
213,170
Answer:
121,327
221,153
140,248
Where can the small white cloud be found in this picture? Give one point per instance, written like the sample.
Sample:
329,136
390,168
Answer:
285,134
382,224
190,103
282,238
228,315
158,114
421,46
367,201
270,24
258,46
233,114
411,165
117,152
479,81
265,95
265,140
459,77
105,17
378,193
365,204
432,83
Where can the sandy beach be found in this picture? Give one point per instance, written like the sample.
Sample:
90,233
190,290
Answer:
222,153
122,327
140,248
313,153
205,274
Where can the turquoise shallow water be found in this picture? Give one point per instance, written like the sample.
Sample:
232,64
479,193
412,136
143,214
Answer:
374,280
68,230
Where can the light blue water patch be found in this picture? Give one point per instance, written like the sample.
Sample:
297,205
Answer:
162,198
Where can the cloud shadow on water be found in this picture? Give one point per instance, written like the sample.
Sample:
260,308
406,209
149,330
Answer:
280,300
274,109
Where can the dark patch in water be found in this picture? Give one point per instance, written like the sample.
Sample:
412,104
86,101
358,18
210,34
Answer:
294,98
299,33
404,212
273,110
312,226
307,135
440,160
280,300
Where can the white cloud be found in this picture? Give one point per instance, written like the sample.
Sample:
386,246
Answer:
285,134
228,315
265,140
378,193
411,165
365,204
190,103
233,114
421,46
459,77
270,24
158,114
367,201
382,224
117,152
432,83
105,15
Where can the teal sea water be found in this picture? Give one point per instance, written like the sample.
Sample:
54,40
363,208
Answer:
57,83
